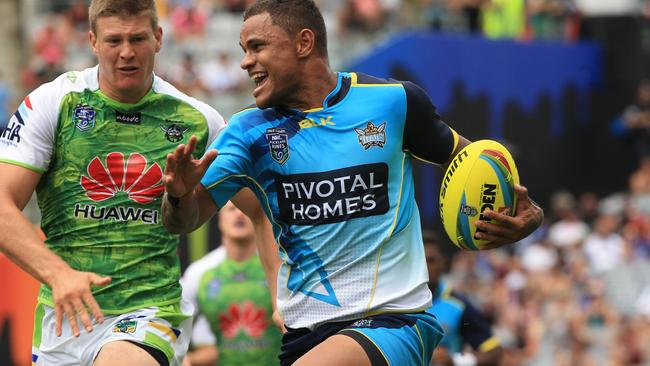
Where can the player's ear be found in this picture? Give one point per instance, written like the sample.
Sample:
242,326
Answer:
92,38
158,34
305,42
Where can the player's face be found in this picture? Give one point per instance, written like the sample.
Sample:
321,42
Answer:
125,47
435,263
234,224
271,61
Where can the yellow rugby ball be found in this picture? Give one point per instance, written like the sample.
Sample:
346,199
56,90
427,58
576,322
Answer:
482,176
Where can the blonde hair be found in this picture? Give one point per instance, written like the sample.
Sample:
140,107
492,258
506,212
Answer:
109,8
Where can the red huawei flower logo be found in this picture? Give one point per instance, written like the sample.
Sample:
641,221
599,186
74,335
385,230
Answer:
246,317
105,180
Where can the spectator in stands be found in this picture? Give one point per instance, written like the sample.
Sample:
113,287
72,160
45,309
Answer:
223,74
186,77
548,18
188,21
568,230
49,43
604,248
463,323
636,120
361,16
461,16
504,18
76,17
235,6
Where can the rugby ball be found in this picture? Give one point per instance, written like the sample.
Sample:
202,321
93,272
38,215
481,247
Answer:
482,176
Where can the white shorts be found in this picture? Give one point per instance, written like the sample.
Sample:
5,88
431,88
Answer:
165,328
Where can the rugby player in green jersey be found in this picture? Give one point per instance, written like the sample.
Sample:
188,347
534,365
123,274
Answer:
93,146
228,288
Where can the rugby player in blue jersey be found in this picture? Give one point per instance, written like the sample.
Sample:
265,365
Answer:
326,156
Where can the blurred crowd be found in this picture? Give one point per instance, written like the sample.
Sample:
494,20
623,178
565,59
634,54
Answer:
576,293
59,40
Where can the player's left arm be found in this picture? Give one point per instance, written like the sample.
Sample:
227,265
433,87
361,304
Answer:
430,139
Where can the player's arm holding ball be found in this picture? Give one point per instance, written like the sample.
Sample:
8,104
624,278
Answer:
423,123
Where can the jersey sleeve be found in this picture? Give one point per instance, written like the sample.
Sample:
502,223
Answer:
230,171
216,124
201,333
474,329
28,138
426,136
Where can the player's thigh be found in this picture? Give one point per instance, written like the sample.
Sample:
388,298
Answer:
124,353
339,350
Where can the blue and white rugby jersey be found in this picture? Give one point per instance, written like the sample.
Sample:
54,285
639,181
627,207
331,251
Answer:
336,184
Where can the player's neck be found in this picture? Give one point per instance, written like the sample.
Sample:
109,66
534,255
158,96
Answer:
317,83
240,250
133,96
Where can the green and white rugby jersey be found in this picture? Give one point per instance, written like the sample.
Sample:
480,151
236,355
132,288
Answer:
235,299
99,194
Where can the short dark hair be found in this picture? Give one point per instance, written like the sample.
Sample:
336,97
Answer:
293,16
108,8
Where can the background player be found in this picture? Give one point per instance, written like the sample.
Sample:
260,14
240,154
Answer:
92,144
329,157
462,322
232,300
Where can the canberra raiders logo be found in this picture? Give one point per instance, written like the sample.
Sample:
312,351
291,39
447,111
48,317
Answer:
84,117
278,140
173,132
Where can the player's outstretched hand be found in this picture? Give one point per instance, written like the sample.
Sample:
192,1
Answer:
507,229
183,172
71,292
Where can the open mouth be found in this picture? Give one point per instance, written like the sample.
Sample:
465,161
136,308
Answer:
259,78
128,69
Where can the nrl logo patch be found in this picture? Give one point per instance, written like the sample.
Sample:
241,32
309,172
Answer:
372,135
278,140
84,117
173,132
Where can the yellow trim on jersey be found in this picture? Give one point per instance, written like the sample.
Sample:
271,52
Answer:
424,363
23,165
164,329
421,159
313,110
353,79
373,342
455,144
489,344
399,199
243,110
390,234
456,140
355,83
